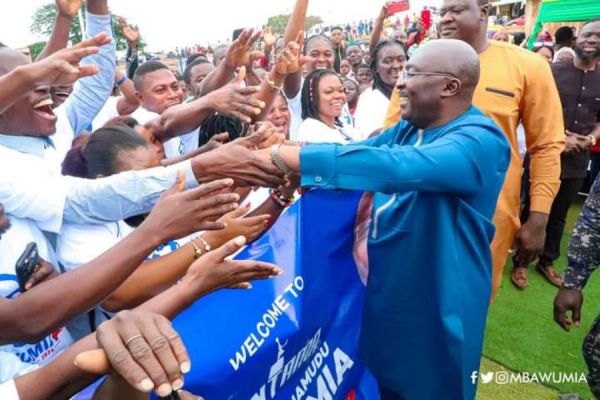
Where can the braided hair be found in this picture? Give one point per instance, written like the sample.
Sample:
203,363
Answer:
377,81
310,94
218,123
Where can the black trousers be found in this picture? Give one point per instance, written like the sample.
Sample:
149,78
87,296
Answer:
569,187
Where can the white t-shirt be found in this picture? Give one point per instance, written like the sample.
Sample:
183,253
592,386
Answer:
62,139
11,367
12,244
8,390
172,146
371,111
295,108
80,244
315,131
108,112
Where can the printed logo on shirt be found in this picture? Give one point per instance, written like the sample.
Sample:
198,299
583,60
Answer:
164,249
43,351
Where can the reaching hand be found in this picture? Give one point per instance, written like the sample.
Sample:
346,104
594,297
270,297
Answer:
235,100
237,225
141,347
214,271
288,61
68,8
568,300
382,13
178,213
238,161
238,54
131,34
62,67
268,38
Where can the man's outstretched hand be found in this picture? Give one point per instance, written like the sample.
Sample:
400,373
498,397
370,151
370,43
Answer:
239,161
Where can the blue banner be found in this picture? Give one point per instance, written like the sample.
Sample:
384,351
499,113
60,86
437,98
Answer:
296,336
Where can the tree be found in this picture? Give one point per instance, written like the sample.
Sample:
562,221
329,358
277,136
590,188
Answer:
278,23
43,22
35,49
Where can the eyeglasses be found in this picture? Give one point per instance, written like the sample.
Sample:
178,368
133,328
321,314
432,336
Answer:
406,75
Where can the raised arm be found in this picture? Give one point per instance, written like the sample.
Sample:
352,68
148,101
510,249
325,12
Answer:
286,63
59,38
90,94
293,82
378,27
232,99
61,68
238,54
127,103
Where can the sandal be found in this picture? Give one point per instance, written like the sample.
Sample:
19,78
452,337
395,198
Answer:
519,277
550,274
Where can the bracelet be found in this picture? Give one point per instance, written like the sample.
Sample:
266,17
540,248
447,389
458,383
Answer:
272,85
197,250
280,199
278,161
207,247
121,81
592,139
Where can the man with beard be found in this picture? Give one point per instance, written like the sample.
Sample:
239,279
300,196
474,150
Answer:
578,84
516,87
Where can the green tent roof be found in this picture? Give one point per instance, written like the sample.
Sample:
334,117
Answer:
564,11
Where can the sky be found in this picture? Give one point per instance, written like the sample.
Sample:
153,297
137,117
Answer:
165,25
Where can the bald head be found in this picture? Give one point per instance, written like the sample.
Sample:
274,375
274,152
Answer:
449,56
10,59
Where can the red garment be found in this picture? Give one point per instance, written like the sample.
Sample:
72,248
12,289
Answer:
426,18
264,62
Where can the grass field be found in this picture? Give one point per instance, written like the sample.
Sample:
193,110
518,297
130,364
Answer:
521,334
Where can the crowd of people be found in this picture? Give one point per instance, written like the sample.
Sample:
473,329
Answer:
125,191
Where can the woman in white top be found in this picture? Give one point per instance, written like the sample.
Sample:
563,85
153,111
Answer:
112,150
323,102
388,59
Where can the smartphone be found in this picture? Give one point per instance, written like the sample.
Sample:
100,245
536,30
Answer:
394,7
27,264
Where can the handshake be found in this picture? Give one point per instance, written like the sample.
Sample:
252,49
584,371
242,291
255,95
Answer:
246,160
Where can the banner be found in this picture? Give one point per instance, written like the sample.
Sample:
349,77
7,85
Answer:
398,6
295,336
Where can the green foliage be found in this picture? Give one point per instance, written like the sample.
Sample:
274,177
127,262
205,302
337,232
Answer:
43,22
35,49
278,23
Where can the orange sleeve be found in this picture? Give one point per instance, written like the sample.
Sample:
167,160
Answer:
393,112
542,117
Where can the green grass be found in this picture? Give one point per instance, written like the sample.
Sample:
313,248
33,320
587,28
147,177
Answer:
521,334
514,391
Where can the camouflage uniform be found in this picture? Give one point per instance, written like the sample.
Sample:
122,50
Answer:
584,258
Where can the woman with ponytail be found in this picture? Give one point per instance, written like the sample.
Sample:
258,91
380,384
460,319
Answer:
388,59
323,103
